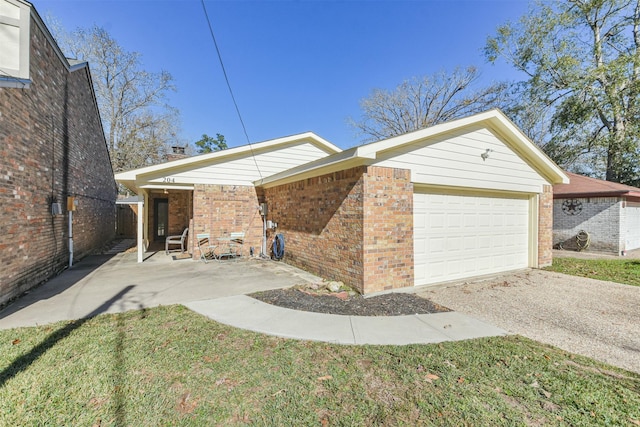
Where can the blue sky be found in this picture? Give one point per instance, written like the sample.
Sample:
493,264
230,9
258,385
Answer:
294,66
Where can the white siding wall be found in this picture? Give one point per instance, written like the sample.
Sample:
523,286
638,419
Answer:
457,161
242,170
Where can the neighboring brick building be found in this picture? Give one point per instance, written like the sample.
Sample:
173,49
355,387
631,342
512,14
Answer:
607,211
52,146
453,201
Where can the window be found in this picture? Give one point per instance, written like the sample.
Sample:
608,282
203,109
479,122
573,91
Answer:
15,18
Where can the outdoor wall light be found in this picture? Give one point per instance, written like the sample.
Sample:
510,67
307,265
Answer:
485,155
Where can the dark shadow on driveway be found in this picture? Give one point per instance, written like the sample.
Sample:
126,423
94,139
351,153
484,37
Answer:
23,362
56,285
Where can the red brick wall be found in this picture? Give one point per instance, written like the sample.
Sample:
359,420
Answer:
545,227
355,226
180,206
321,220
51,147
223,209
388,229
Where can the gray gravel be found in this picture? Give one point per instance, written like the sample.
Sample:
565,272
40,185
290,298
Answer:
594,318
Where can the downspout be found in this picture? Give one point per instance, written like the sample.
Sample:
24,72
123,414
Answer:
70,238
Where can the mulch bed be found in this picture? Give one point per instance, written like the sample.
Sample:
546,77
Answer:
393,304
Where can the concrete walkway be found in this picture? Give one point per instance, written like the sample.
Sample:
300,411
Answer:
115,282
245,312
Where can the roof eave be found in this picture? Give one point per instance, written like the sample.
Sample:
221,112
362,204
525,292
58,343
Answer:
229,152
588,194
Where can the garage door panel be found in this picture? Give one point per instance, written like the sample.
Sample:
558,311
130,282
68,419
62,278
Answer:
479,235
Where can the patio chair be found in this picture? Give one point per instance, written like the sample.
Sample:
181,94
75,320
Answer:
230,247
236,244
206,247
176,240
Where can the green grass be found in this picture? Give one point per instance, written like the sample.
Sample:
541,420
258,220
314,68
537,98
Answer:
614,270
169,366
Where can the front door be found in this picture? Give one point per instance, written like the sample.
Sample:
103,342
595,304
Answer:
160,219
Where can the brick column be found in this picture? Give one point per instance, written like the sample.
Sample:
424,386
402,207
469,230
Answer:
388,229
545,227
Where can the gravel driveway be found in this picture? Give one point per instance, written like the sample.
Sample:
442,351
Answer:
585,316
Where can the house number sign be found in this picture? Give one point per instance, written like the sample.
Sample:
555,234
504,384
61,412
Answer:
168,179
572,207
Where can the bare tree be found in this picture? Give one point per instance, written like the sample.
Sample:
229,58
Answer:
131,100
422,102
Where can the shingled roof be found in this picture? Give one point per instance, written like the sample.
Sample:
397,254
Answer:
583,186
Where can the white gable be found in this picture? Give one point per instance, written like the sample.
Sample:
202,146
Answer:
243,169
456,160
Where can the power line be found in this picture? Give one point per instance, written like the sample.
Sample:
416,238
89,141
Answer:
226,78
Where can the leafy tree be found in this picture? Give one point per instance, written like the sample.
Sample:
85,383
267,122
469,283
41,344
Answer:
208,144
582,62
422,102
131,99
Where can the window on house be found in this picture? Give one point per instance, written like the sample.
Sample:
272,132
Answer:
14,43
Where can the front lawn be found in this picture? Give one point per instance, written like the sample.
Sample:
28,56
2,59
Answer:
170,366
614,270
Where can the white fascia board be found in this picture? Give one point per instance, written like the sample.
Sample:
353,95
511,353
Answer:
129,183
371,150
338,161
527,148
495,120
167,187
130,200
229,152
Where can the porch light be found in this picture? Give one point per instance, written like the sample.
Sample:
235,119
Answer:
485,155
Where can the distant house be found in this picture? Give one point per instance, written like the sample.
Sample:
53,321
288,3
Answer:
52,151
457,200
608,212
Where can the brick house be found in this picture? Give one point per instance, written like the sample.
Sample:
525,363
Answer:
609,212
52,147
457,200
214,193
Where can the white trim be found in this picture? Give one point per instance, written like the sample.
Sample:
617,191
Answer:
135,174
367,154
140,229
167,187
534,230
14,83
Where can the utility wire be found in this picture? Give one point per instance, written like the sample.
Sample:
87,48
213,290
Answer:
226,78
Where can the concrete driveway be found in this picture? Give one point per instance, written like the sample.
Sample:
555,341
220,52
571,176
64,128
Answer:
594,318
115,283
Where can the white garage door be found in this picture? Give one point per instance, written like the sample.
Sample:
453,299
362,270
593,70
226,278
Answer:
456,237
632,220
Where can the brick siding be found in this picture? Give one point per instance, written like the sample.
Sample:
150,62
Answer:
354,225
388,229
600,217
51,147
545,227
223,209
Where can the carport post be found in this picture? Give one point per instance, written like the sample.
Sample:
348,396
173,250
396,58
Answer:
140,228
